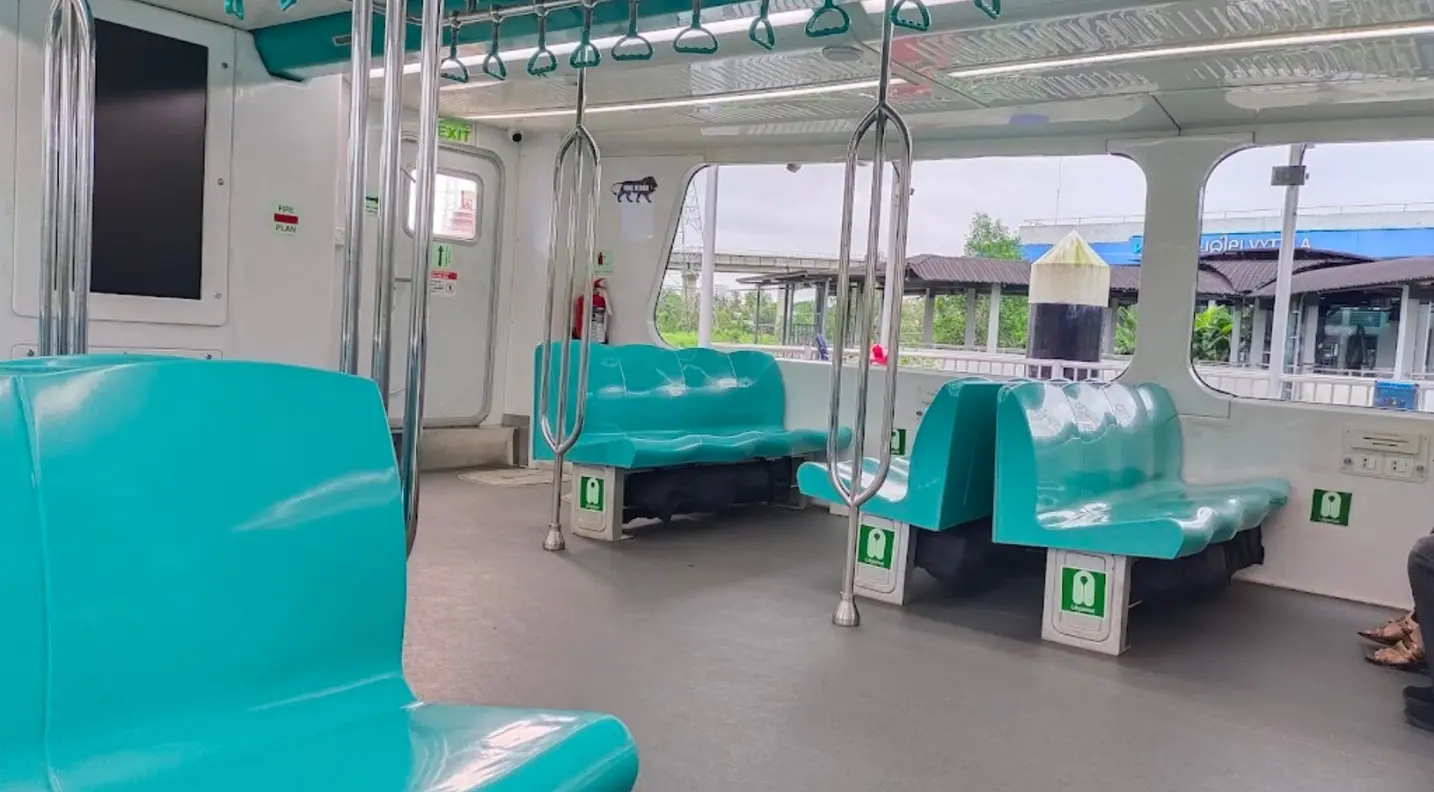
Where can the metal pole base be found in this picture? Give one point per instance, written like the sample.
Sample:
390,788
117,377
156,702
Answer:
554,541
846,614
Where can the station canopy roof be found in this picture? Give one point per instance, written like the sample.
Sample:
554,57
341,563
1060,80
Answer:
1231,275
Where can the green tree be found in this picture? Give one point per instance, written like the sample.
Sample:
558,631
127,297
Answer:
1126,322
990,238
1210,340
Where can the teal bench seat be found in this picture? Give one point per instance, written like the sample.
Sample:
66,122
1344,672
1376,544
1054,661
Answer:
1098,468
654,407
221,546
947,480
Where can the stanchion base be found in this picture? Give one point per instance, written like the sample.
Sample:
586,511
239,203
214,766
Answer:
554,541
846,614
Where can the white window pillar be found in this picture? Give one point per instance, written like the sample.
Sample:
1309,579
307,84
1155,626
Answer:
1237,317
970,318
993,320
928,320
1309,327
1405,334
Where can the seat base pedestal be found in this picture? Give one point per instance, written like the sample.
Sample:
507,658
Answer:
886,559
598,502
1087,600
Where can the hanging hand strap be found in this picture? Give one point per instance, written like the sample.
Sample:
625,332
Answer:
543,61
586,55
837,20
451,68
285,5
493,64
920,24
761,32
234,8
695,40
632,47
992,8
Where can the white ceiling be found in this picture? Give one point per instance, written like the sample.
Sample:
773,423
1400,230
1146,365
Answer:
1389,75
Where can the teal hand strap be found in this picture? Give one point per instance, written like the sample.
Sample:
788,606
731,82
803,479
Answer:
234,8
920,24
837,21
493,64
285,5
451,68
543,61
632,47
586,55
695,40
992,8
761,32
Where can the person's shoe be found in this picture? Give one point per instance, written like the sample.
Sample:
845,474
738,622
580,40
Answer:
1419,695
1407,655
1420,716
1391,632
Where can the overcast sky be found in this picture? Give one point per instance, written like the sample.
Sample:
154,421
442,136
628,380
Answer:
765,208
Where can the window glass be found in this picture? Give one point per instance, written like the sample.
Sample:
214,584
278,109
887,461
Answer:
455,207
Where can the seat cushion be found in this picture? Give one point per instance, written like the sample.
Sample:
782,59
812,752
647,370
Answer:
890,501
637,450
420,748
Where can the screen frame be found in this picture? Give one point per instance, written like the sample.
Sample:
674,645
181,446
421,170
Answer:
211,309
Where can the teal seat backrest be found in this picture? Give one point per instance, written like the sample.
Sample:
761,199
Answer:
222,563
22,607
641,388
952,454
1061,445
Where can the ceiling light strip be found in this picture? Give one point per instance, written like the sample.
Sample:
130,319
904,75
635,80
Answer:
693,101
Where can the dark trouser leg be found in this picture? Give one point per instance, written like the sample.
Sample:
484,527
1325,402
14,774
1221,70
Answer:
1421,582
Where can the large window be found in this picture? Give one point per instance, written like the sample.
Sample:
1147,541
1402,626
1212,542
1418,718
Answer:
1356,308
151,95
976,228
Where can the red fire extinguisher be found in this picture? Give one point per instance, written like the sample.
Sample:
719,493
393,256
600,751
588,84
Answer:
600,313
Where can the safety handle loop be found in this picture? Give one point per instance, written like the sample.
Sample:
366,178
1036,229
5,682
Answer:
633,46
991,8
285,5
761,32
543,60
920,24
451,68
493,64
586,56
695,40
234,8
816,28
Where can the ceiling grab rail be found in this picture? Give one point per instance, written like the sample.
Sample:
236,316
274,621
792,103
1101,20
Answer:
862,489
426,175
360,56
395,31
582,206
67,178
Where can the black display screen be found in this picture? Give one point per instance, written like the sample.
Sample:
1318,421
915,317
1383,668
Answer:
151,108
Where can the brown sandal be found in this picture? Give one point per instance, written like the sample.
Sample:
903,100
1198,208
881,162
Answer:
1407,655
1392,632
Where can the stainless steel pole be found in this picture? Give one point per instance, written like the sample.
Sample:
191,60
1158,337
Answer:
427,178
50,188
390,171
360,51
83,55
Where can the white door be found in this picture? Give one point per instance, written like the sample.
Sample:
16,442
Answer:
462,290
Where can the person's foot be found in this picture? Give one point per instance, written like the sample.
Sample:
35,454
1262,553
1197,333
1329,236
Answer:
1419,695
1391,632
1407,655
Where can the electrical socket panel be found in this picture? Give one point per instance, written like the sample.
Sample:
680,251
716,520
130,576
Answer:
1400,456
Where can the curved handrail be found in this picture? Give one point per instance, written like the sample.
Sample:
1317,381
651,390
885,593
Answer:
859,491
578,143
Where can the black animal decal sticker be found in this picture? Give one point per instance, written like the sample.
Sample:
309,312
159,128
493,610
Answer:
635,190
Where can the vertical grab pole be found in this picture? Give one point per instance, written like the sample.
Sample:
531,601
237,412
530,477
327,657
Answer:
360,54
862,488
83,55
582,206
426,180
67,167
395,27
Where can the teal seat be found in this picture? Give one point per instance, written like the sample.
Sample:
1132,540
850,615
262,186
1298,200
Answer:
947,480
1098,468
653,407
225,575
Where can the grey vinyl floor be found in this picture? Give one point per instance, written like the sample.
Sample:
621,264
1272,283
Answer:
711,639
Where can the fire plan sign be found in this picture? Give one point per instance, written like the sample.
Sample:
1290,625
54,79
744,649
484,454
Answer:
286,220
